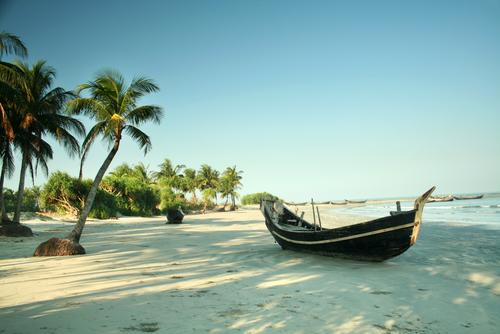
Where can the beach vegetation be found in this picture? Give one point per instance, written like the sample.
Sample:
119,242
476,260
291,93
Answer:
256,198
134,194
229,182
65,195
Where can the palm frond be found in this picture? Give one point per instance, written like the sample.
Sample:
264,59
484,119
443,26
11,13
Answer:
143,114
140,137
12,44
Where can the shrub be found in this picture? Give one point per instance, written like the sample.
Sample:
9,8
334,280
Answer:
65,194
255,198
134,197
30,200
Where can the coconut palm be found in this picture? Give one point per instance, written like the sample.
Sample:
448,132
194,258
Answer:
208,179
37,113
191,182
113,105
12,44
168,170
170,175
7,169
9,44
231,181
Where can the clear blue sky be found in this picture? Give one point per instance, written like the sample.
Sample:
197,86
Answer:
323,99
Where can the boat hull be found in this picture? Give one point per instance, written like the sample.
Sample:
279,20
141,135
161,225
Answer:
375,240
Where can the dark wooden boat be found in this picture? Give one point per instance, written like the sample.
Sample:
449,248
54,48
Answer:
458,198
338,203
175,216
374,240
355,202
432,199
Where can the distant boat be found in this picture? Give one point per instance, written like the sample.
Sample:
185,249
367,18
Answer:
322,203
296,204
374,240
338,203
458,198
355,202
448,198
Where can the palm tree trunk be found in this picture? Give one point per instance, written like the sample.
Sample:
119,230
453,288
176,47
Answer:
76,234
194,196
80,174
5,218
20,190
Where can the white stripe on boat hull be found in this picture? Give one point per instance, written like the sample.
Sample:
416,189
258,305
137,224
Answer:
361,235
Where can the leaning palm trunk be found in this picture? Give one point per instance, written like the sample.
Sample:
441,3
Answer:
75,235
20,190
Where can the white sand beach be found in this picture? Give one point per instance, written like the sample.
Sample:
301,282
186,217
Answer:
223,273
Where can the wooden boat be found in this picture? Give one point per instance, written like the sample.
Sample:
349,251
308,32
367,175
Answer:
338,203
448,198
296,204
355,202
458,198
374,240
175,216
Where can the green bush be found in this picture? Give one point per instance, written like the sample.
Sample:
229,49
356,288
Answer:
134,197
65,194
255,198
30,200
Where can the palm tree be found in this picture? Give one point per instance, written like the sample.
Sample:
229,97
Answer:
141,172
114,107
7,170
9,44
209,179
35,114
231,181
191,182
170,175
168,170
12,44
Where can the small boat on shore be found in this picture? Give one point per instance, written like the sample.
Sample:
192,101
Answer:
355,202
374,240
338,203
432,199
459,198
296,204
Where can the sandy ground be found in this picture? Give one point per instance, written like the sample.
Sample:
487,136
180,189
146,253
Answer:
223,273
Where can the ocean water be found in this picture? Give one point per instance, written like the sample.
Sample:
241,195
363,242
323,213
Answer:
484,211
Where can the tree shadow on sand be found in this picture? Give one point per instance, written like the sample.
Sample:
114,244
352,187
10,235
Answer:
221,276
